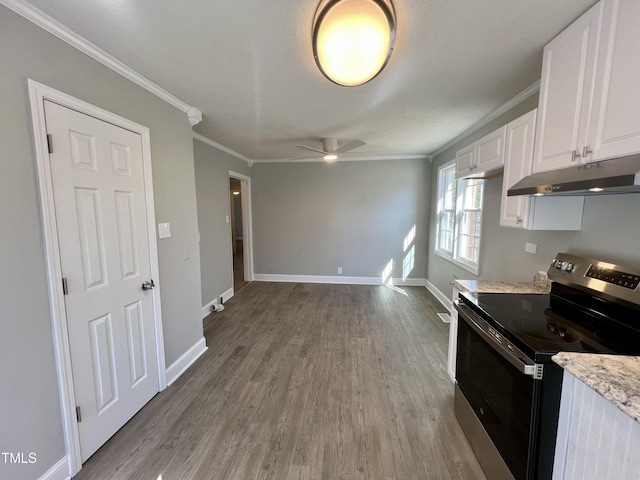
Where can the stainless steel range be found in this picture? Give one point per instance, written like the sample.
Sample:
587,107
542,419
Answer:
508,390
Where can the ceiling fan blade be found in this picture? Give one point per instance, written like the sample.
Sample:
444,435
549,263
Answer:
312,149
350,146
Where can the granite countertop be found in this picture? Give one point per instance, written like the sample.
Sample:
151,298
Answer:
491,286
615,377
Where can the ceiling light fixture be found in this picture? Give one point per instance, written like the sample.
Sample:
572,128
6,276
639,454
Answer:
353,39
236,192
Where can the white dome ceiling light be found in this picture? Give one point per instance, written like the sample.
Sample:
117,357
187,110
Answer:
353,39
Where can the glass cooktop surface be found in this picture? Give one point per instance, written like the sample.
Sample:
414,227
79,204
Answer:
542,326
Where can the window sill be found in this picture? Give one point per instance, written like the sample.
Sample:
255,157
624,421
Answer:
475,269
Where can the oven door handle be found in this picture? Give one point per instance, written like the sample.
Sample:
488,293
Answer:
510,353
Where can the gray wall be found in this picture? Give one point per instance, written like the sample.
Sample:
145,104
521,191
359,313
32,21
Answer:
610,230
212,186
30,418
311,218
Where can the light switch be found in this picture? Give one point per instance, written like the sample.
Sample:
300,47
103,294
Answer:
530,247
226,218
164,230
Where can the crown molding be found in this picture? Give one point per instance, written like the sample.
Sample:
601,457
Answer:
211,143
505,107
44,21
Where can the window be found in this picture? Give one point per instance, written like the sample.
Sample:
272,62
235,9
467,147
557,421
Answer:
459,218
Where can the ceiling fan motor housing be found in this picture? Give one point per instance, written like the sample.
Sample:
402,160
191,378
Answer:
330,144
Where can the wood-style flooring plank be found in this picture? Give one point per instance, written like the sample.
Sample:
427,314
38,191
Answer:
304,382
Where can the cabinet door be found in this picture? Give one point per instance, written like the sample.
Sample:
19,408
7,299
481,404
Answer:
568,68
490,151
615,130
465,161
514,211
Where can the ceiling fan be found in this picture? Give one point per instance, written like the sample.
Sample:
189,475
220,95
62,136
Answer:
330,148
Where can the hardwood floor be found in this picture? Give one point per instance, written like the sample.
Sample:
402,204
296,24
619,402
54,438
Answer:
238,273
304,381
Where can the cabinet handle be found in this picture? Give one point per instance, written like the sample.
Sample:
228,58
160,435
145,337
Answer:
586,151
574,155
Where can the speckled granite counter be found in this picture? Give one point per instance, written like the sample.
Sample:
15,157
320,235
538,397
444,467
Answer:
615,377
489,286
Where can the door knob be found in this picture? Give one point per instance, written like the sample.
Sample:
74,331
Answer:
148,285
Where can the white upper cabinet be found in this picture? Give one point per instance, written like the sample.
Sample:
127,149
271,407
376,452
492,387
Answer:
483,156
590,89
465,161
489,151
568,68
518,159
615,128
527,211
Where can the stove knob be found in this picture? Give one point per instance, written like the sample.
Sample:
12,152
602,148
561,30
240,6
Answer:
570,267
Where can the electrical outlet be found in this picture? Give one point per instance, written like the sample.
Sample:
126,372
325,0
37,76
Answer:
530,248
339,270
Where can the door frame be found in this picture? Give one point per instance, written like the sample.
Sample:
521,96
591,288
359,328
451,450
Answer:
247,230
38,93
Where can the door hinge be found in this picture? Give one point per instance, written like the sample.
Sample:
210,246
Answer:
78,414
65,288
49,143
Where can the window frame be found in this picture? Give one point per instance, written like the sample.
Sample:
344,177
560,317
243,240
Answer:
460,190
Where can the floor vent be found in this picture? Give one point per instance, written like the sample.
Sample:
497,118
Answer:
445,317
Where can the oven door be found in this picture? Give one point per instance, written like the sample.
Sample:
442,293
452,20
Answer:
500,389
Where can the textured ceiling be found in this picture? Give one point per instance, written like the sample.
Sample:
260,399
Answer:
248,66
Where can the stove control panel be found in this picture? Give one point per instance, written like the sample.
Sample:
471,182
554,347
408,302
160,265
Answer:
615,277
618,282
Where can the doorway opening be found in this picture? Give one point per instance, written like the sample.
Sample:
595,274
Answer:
240,230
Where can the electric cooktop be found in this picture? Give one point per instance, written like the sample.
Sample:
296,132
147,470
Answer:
541,325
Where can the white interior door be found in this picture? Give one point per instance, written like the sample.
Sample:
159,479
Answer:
98,187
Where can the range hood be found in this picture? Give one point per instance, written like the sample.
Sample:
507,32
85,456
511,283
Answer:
620,175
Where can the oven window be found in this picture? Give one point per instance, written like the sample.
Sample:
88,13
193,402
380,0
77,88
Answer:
500,396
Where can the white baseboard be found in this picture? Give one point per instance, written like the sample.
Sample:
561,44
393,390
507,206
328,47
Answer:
206,310
187,359
60,471
442,298
338,280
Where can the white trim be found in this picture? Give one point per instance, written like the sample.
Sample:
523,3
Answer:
342,159
505,107
44,21
37,94
475,269
211,143
188,358
441,297
206,310
247,224
337,280
60,471
564,425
